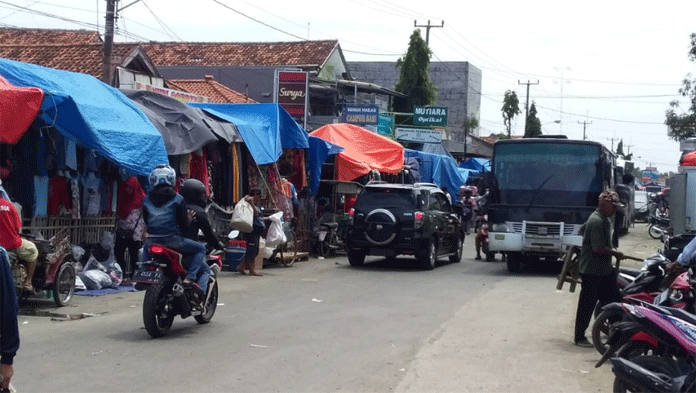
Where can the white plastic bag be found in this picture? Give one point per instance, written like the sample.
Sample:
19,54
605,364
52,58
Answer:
275,235
96,279
242,217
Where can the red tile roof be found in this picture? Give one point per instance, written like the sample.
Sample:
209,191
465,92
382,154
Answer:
300,53
208,87
14,36
84,58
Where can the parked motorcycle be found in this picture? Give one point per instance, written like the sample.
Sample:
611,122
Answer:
166,296
680,294
325,235
672,368
658,227
55,269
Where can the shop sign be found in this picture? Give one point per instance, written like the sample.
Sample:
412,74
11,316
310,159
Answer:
179,95
430,116
418,135
292,92
386,124
360,114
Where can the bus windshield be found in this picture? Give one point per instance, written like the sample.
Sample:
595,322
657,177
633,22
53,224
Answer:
557,174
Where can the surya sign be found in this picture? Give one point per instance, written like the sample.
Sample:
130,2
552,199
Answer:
292,91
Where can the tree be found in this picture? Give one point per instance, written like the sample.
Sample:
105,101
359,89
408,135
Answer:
533,124
414,79
619,149
511,108
683,126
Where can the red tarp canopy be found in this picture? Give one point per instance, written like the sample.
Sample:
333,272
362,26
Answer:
18,109
689,159
364,150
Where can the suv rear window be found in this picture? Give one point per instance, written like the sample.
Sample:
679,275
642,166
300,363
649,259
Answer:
386,197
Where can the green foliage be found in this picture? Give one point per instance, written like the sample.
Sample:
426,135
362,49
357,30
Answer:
619,149
470,124
414,79
511,108
532,128
683,126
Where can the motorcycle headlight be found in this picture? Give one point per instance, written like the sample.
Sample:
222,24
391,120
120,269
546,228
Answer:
499,228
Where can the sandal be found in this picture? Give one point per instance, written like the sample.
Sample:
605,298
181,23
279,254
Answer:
255,274
28,288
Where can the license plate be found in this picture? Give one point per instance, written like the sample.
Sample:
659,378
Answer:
147,276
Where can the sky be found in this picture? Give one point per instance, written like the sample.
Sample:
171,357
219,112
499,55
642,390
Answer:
610,67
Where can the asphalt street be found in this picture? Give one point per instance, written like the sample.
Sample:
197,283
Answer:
322,325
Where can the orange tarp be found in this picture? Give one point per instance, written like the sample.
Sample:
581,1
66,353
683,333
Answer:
18,109
364,150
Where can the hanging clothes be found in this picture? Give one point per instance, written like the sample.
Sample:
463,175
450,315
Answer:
91,197
59,195
198,168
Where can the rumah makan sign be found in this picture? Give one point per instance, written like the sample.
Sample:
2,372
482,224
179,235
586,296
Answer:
360,114
179,95
291,91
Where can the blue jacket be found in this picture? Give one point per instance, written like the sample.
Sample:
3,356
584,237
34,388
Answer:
9,332
164,212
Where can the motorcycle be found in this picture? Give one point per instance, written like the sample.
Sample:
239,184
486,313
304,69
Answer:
165,294
55,269
481,225
680,294
672,368
658,227
325,235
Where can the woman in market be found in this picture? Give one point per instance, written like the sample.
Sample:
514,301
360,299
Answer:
130,226
253,238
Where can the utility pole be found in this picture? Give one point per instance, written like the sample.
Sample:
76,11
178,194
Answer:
584,124
560,112
427,29
108,41
612,143
526,112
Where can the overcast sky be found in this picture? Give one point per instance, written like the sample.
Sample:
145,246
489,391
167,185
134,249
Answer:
613,64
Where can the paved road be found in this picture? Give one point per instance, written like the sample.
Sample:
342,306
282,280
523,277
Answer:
322,325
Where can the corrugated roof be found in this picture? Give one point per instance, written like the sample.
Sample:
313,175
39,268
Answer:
300,53
15,36
209,87
84,58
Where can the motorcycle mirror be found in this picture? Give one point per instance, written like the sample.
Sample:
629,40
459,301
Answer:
233,234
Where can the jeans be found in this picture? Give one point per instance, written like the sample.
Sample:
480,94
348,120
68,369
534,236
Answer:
186,246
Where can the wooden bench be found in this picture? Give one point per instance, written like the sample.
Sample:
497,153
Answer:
87,230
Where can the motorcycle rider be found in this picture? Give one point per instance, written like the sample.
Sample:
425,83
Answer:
166,219
196,198
10,225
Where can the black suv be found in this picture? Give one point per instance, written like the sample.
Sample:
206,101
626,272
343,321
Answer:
414,219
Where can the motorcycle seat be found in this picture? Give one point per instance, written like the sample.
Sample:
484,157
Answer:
330,225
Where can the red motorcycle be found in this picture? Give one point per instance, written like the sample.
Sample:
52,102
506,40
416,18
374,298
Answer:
680,294
166,296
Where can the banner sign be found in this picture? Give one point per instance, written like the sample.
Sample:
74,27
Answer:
418,135
430,116
360,114
292,92
385,126
179,95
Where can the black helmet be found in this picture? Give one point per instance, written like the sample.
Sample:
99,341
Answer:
194,192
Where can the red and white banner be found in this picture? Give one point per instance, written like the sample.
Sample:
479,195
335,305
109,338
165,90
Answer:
292,92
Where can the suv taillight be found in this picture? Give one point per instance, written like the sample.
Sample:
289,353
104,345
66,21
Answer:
418,219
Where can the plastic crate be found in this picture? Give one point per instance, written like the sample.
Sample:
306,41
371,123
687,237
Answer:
234,255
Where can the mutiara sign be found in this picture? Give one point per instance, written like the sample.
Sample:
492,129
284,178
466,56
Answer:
430,116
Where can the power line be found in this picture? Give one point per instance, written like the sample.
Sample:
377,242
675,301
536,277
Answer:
258,21
165,27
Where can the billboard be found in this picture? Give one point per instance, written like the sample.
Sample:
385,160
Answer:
291,91
430,116
418,135
360,114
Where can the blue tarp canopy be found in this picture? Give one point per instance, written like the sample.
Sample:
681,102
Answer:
476,164
94,114
441,170
319,151
267,129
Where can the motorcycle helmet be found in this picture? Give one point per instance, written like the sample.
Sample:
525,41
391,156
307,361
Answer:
194,192
162,174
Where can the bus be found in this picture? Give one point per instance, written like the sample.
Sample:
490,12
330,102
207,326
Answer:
541,192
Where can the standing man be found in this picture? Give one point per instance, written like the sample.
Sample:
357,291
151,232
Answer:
9,329
597,274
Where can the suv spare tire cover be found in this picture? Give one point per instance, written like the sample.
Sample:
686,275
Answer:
381,227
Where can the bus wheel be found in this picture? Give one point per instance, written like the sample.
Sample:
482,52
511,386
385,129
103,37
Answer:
514,262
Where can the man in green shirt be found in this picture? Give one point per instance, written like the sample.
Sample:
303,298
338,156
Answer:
596,271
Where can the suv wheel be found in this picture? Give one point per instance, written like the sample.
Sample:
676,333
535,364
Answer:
514,262
457,257
355,257
428,256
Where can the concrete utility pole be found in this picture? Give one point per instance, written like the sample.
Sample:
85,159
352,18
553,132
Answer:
584,124
108,41
427,29
612,143
526,112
